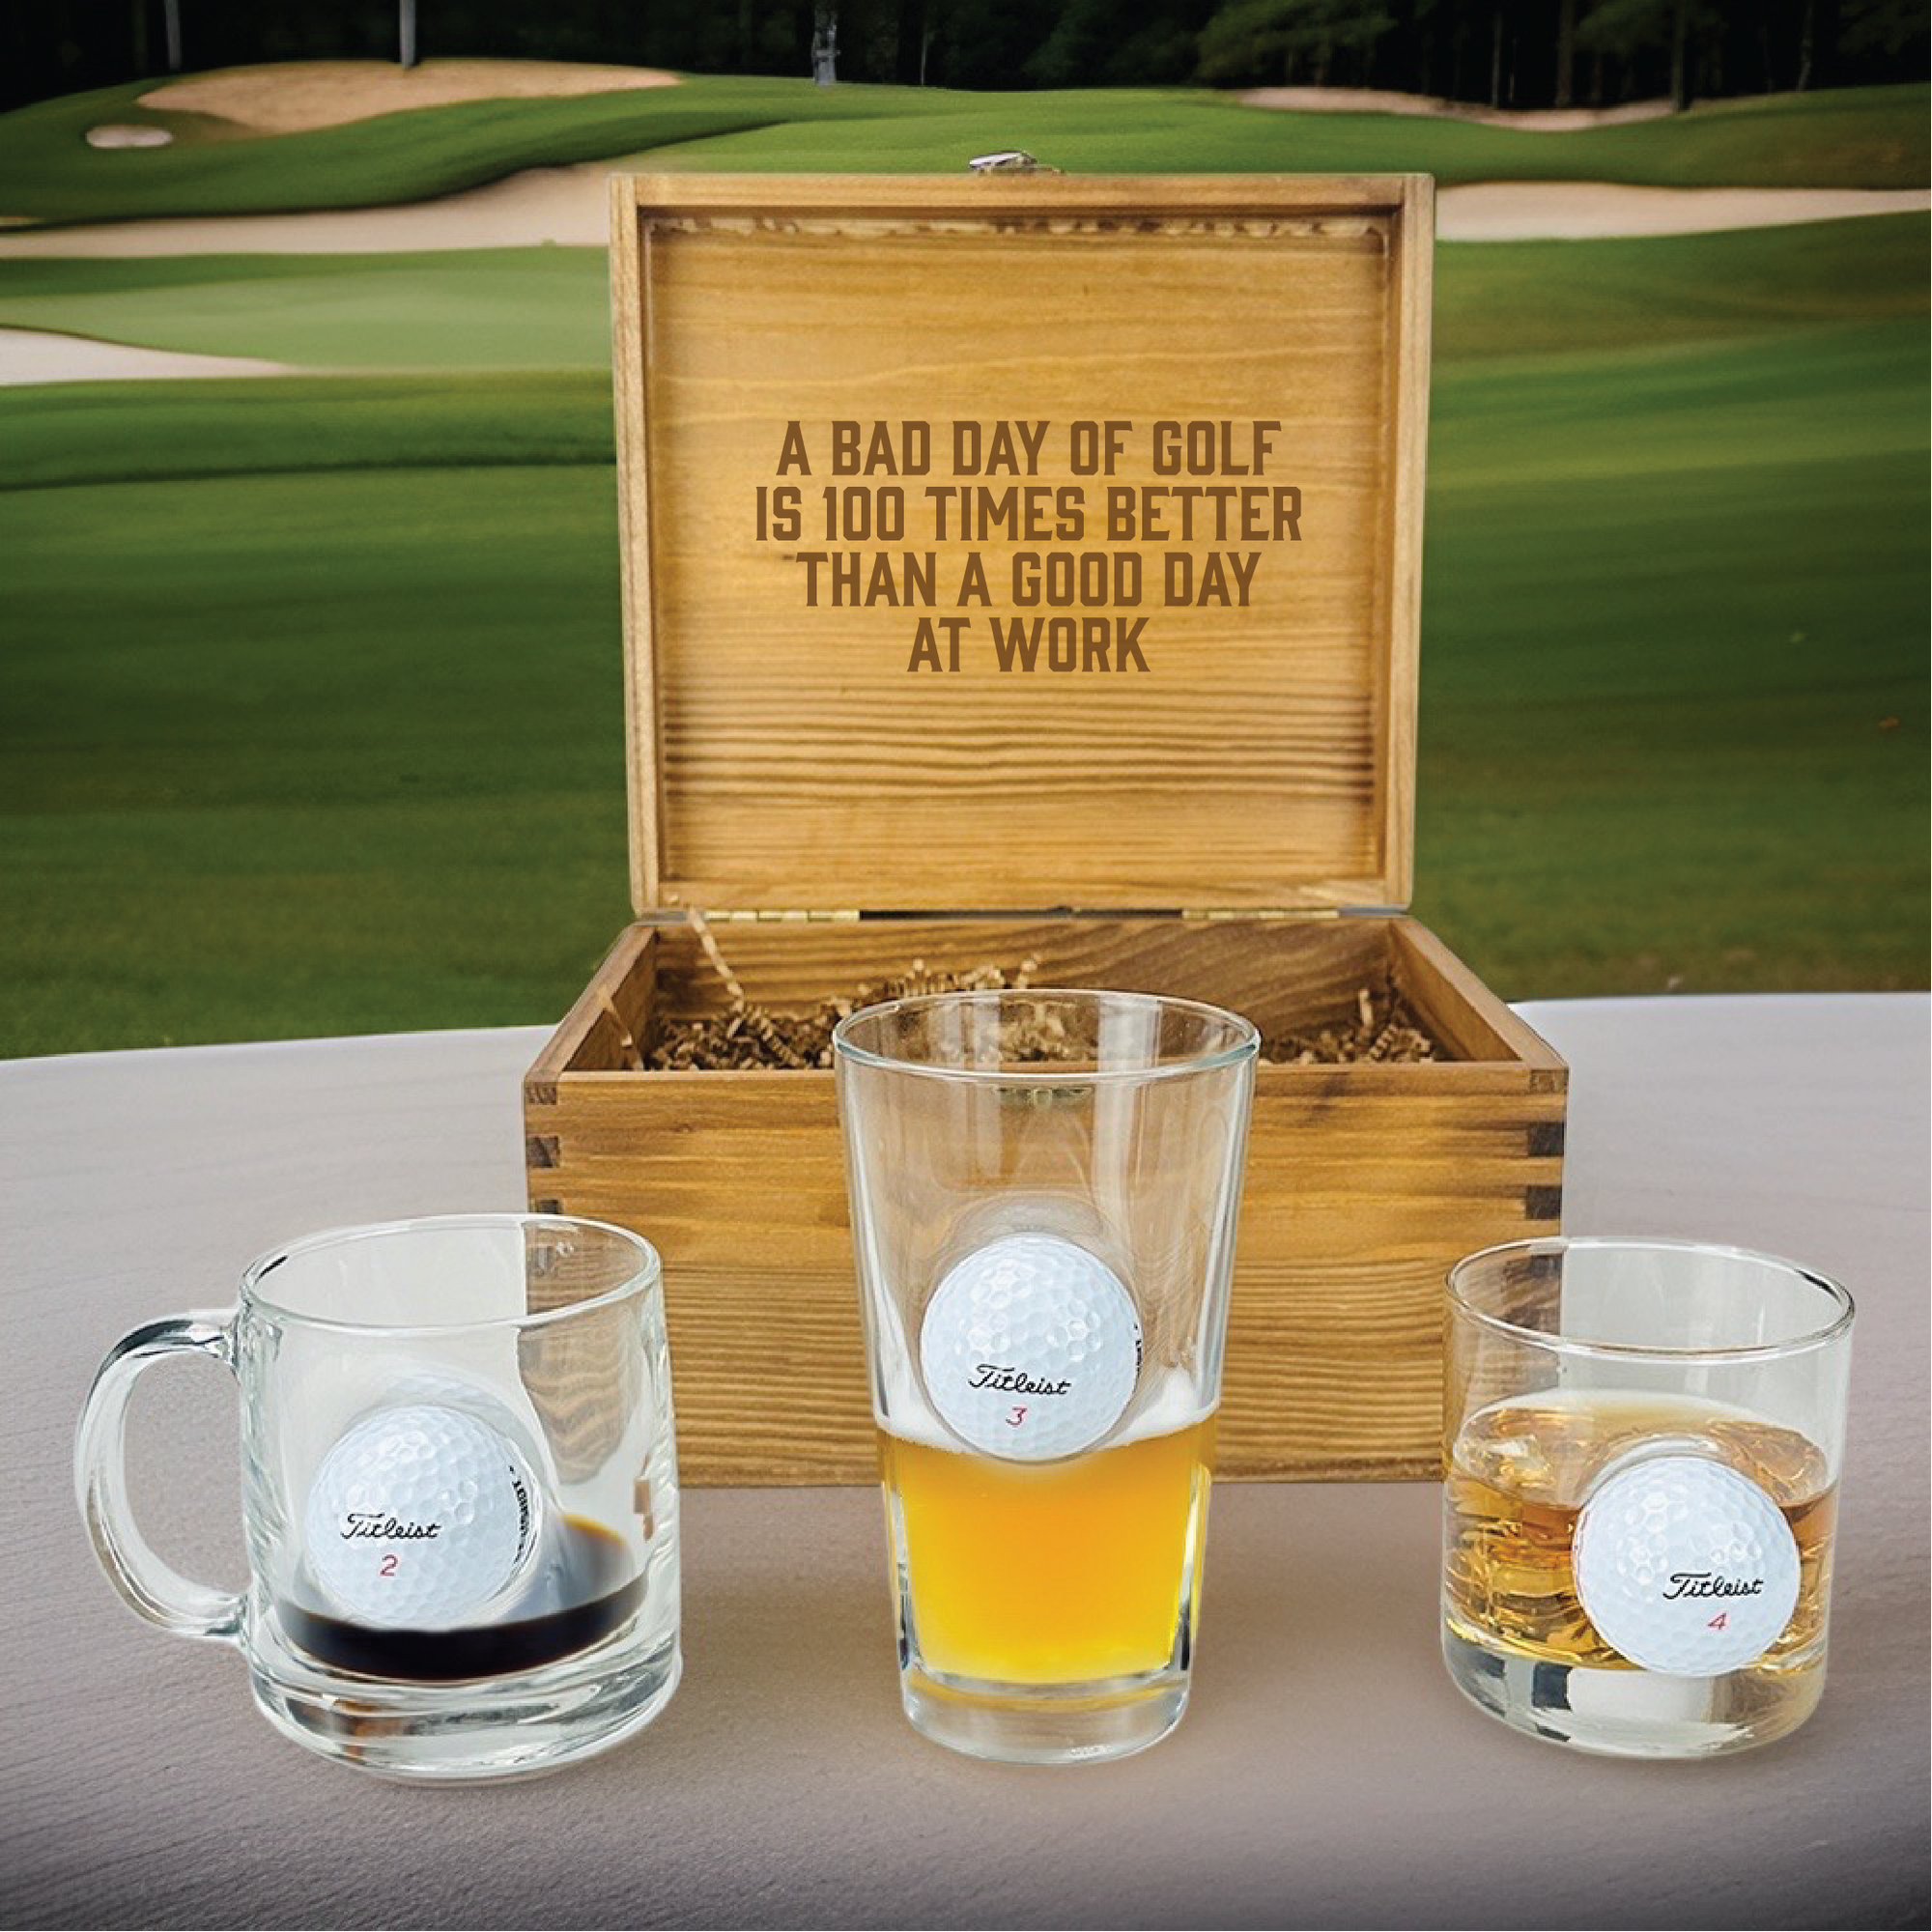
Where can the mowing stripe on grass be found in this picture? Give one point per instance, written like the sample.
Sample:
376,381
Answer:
497,308
547,308
77,432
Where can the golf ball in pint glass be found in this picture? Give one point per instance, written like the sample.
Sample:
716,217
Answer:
1044,1187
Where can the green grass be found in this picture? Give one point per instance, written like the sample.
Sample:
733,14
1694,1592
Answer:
316,715
52,175
1869,137
1532,298
546,308
1858,138
1674,682
324,733
309,751
149,432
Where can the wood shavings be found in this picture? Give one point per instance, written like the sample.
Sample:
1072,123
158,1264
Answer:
747,1036
1384,1027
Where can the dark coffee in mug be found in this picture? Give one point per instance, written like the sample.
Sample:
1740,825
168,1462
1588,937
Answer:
586,1588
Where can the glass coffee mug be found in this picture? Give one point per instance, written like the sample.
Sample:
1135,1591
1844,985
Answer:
1044,1187
1643,1448
459,1491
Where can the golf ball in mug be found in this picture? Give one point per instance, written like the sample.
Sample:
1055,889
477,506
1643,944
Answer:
420,1517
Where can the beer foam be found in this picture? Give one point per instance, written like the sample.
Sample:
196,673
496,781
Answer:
1165,1402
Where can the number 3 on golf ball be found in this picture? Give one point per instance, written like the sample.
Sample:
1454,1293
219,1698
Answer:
1031,1348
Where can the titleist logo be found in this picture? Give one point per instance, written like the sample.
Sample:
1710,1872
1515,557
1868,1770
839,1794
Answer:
369,1523
993,1376
1702,1584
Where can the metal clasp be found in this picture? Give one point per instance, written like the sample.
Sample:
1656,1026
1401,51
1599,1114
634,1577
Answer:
1009,161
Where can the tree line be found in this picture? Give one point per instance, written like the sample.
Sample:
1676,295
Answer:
1502,53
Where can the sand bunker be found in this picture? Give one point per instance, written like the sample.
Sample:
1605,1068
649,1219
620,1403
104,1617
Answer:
567,205
1370,100
33,355
568,208
296,97
1596,210
564,207
115,134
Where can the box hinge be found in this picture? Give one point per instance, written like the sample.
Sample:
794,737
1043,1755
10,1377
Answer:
780,914
1267,915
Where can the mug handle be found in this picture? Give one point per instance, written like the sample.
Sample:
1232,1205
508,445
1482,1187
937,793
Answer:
152,1587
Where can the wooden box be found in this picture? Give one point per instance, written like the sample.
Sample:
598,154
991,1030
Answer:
1223,810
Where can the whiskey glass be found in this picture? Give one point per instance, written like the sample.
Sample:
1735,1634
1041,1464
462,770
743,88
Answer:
1643,1442
1044,1188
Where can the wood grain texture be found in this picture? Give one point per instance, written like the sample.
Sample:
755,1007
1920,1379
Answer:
627,329
1408,371
623,989
1364,1182
1462,1013
786,756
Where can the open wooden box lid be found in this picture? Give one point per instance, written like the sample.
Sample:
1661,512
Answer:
792,757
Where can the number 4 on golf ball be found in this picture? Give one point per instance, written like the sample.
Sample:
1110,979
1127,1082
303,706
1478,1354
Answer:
1685,1566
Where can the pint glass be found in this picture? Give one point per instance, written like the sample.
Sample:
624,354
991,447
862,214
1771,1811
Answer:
1044,1190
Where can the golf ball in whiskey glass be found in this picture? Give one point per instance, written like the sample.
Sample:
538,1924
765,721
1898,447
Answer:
1642,1489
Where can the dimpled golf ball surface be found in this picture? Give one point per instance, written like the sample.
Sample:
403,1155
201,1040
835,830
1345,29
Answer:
1031,1348
1685,1566
417,1518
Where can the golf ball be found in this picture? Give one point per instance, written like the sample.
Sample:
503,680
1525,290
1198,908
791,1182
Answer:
1031,1348
419,1517
1685,1566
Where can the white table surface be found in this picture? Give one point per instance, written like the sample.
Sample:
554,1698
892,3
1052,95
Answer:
1326,1772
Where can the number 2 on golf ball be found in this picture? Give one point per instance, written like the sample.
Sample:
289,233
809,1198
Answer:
419,1517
